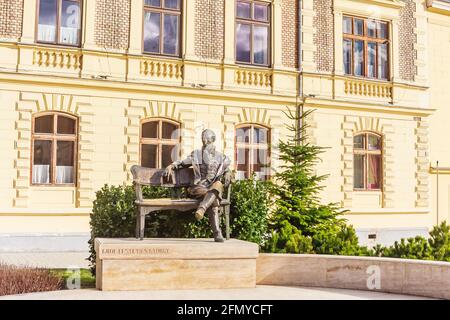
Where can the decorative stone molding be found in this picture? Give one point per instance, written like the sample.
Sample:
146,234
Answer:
11,16
162,69
112,24
209,29
289,35
31,103
253,78
422,162
368,88
408,41
62,59
353,125
323,35
138,110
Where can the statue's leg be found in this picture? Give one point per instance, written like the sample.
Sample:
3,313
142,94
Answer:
214,222
208,200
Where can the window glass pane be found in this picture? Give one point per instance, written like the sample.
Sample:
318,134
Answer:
382,30
43,124
374,142
358,65
243,42
243,135
66,125
172,4
152,31
359,27
371,28
149,155
261,12
70,22
150,130
348,56
358,171
242,162
170,131
261,165
372,58
153,3
170,34
260,135
383,65
47,20
42,159
169,155
65,162
374,172
260,41
347,25
358,142
243,10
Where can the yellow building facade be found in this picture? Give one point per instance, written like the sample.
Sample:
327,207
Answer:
90,88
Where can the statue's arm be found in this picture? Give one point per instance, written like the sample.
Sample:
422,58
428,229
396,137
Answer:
185,163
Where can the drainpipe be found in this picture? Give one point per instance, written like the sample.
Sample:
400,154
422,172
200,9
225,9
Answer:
300,65
437,193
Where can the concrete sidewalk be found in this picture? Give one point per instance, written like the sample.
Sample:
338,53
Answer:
258,293
48,260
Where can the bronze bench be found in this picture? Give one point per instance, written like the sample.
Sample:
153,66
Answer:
181,179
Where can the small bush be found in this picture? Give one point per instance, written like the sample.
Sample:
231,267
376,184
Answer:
19,280
436,247
249,210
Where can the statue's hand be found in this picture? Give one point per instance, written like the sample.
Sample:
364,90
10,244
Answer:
169,171
227,178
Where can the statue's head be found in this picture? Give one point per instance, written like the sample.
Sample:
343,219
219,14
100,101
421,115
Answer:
208,137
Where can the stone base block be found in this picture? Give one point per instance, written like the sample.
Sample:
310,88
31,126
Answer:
160,264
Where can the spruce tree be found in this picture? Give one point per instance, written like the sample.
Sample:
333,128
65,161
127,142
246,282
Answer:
300,223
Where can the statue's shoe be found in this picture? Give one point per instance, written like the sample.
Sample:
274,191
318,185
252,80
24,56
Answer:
219,238
199,214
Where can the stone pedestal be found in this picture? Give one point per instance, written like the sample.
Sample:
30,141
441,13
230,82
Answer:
158,264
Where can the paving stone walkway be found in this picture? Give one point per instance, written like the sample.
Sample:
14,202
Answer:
258,293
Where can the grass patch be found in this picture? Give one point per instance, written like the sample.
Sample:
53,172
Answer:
86,278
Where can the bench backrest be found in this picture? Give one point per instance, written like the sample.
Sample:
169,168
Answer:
154,177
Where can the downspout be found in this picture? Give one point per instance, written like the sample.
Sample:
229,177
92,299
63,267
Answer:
300,67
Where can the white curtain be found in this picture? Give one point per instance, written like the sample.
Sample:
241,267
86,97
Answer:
69,35
240,175
41,173
64,174
46,33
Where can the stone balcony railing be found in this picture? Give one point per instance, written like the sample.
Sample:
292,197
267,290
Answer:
367,88
253,78
57,58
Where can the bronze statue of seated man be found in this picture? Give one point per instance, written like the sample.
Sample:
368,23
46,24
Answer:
210,168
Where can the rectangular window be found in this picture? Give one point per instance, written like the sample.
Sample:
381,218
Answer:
252,32
162,27
54,144
365,48
59,22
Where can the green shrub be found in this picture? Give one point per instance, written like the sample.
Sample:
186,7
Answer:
436,247
249,210
440,242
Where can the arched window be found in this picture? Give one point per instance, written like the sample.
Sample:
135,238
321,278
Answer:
252,151
54,149
160,141
367,161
